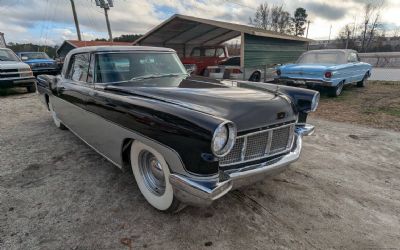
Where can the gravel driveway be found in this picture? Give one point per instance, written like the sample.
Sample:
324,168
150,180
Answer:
57,193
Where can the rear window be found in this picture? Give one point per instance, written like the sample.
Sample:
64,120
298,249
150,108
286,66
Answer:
321,58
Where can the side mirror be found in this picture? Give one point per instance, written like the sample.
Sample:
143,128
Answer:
24,58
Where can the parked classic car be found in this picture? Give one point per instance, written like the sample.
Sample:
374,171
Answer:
14,73
230,69
202,57
330,68
40,63
188,139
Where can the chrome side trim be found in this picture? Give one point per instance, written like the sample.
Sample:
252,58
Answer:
97,151
106,137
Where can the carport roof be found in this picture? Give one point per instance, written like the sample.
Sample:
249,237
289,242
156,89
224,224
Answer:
181,29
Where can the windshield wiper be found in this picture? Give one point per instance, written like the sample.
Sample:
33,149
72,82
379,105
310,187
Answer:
155,76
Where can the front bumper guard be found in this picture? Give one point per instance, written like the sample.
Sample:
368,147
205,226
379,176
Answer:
202,192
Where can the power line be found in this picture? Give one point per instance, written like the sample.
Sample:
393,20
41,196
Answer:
240,4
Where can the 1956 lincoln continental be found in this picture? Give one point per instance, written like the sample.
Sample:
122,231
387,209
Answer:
188,140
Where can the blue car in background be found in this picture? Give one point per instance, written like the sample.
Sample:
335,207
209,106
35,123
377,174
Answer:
330,68
40,63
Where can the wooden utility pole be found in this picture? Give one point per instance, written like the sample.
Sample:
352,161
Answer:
308,26
106,6
329,39
108,24
347,40
78,31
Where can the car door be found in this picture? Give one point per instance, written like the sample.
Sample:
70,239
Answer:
72,94
354,67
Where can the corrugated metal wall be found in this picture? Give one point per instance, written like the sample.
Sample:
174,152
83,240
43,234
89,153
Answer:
260,51
64,49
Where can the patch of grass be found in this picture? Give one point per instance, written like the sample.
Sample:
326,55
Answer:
387,110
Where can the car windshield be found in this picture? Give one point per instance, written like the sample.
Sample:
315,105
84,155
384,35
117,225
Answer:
34,55
137,66
7,55
321,58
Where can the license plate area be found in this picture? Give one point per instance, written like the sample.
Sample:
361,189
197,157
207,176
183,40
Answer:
300,82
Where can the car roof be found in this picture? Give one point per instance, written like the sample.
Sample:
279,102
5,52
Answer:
331,50
119,48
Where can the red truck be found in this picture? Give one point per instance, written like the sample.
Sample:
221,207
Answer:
202,57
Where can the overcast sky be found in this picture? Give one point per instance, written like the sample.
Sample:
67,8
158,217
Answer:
51,21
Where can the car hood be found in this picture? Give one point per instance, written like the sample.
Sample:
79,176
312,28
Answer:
247,108
13,65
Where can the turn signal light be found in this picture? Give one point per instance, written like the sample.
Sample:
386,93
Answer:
328,74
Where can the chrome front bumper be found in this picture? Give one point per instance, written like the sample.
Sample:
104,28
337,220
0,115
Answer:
202,192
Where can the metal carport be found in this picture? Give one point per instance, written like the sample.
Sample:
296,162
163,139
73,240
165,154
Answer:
259,48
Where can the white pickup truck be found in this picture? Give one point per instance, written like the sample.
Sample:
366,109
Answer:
15,73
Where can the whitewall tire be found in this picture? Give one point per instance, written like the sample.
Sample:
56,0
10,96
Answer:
151,172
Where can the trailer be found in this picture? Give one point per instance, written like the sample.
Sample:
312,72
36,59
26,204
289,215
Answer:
260,51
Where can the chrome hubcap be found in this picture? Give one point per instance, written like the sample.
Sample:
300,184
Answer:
152,172
339,89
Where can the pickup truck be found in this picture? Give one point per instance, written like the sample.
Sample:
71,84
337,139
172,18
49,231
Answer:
40,63
13,72
202,57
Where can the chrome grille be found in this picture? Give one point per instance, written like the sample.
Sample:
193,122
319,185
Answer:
257,145
236,153
9,73
280,138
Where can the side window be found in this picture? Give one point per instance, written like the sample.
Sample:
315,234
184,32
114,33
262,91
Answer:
195,52
209,52
79,67
220,52
352,57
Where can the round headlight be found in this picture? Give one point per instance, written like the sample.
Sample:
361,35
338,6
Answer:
223,139
315,102
220,139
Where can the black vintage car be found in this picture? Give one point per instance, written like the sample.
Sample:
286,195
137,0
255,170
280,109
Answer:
188,140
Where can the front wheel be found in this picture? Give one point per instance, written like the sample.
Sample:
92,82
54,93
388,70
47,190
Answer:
152,177
363,82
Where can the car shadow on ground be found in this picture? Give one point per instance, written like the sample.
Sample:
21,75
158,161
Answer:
13,91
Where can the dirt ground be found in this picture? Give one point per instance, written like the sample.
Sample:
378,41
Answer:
377,105
57,193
